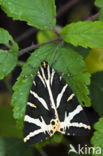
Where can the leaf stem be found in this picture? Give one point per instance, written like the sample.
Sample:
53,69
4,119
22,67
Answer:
32,47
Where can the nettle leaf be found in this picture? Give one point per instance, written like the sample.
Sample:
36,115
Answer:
8,53
96,92
85,34
97,139
7,123
37,13
23,84
99,3
73,63
13,146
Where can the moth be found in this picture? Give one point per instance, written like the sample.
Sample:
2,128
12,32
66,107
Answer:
52,107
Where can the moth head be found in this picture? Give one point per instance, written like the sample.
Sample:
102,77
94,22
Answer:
44,64
55,124
53,129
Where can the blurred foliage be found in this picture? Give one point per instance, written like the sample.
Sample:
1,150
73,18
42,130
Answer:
7,123
13,146
96,90
44,36
94,60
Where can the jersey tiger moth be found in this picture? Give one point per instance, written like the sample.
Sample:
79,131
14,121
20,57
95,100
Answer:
51,107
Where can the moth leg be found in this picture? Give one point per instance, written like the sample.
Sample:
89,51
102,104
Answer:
33,74
26,76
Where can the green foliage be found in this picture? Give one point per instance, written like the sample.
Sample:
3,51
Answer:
23,82
96,90
7,123
44,36
97,139
13,146
85,34
37,13
99,3
8,58
94,60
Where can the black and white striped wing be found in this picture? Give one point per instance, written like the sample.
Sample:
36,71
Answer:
39,113
73,120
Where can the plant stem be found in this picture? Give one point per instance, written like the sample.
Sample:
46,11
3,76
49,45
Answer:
32,47
26,34
94,17
64,8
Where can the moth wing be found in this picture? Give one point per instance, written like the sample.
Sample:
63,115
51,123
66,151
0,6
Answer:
38,112
73,120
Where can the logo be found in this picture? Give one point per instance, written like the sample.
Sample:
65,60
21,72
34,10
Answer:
85,150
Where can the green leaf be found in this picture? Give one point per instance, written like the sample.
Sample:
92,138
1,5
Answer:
85,34
19,104
96,92
80,78
8,124
8,58
13,146
97,139
37,13
44,36
99,3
